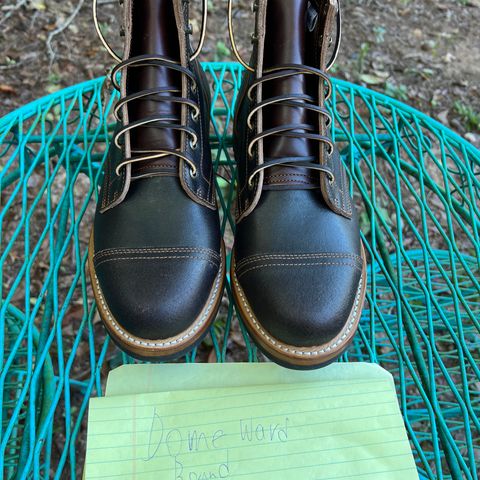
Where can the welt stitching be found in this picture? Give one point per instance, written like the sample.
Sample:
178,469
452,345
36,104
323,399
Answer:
114,259
315,264
257,258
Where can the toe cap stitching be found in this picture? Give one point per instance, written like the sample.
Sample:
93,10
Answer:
165,250
310,264
168,257
295,256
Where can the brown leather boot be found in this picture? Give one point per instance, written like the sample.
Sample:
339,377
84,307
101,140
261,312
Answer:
156,257
298,269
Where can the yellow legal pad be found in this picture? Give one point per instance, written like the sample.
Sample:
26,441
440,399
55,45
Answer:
342,422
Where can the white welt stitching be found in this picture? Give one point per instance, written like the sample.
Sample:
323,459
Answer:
191,332
281,346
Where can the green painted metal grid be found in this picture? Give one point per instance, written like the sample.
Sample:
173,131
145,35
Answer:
417,186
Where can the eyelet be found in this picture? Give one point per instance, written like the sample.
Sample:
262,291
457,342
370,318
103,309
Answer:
193,145
331,178
194,116
329,150
193,173
194,86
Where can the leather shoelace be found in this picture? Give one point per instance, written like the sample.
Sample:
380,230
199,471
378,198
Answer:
160,94
303,131
293,100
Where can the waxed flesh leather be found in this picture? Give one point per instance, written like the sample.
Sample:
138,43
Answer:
158,252
298,262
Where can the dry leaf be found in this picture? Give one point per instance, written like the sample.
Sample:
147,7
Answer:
38,5
372,79
7,89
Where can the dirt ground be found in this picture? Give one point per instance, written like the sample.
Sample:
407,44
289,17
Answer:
424,52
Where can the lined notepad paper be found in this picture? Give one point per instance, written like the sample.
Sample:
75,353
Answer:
327,426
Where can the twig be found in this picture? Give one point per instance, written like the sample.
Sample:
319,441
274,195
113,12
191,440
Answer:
12,10
61,28
23,59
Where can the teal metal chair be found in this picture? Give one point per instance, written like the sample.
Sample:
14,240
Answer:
416,183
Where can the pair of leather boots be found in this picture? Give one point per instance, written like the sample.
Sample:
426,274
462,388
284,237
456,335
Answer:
157,259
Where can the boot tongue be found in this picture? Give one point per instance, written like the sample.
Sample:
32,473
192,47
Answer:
154,31
286,43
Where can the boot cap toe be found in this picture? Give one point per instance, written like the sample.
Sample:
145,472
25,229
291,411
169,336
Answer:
156,294
303,300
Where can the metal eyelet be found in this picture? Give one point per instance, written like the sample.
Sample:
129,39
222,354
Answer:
194,116
193,173
194,86
193,144
329,150
331,178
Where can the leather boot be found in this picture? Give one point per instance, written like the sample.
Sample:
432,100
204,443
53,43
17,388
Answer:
156,256
298,269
